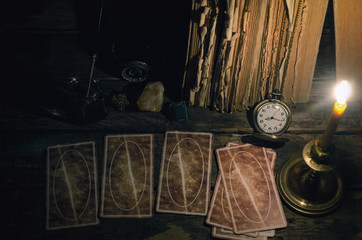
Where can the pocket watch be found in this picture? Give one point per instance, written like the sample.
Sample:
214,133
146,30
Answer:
271,118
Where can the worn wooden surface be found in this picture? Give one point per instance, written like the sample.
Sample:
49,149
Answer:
303,57
25,134
348,25
23,175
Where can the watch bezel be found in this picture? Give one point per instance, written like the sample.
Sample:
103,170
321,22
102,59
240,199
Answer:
283,105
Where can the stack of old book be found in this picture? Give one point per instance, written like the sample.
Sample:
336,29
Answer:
245,203
239,51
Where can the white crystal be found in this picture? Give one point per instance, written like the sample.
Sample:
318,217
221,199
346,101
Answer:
151,98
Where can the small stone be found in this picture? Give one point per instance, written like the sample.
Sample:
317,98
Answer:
151,98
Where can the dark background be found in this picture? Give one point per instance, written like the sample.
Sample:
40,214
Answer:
43,40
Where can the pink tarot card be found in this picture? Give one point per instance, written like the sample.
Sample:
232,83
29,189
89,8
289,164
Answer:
219,214
228,234
271,154
219,211
127,186
184,180
250,189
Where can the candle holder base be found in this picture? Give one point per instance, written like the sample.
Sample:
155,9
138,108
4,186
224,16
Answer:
308,191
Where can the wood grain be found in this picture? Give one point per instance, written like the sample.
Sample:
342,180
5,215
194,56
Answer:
304,51
311,117
23,152
348,28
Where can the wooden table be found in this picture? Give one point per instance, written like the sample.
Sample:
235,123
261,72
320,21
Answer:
25,135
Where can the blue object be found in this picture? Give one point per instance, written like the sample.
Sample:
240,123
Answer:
178,111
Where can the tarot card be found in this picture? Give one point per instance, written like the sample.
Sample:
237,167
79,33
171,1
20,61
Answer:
228,234
127,187
219,214
251,190
219,210
184,180
71,186
271,154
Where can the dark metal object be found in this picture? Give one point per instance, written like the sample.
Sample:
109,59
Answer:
136,71
79,100
68,102
91,108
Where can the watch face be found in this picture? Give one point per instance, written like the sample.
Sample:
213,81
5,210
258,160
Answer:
272,118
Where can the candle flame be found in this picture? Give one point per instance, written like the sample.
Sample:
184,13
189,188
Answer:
342,91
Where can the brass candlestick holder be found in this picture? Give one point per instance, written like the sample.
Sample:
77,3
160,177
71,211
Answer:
311,185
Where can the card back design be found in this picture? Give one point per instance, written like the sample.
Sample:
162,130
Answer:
219,214
219,210
251,191
271,154
228,234
71,186
184,180
127,186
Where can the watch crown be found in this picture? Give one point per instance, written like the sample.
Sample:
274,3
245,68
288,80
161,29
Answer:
276,94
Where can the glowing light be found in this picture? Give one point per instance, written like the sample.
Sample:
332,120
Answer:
342,92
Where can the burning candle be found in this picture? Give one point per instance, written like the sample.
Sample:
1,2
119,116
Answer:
342,91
